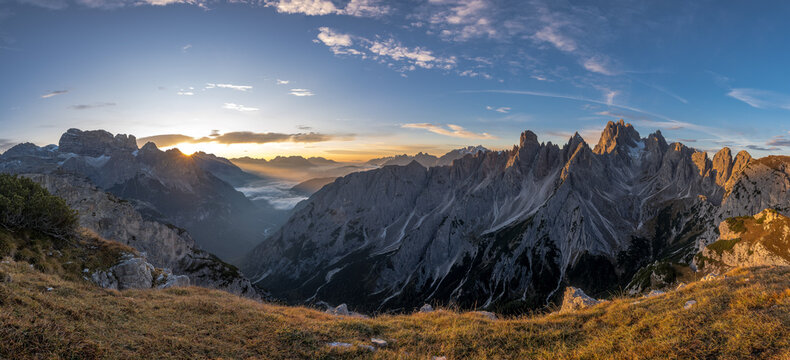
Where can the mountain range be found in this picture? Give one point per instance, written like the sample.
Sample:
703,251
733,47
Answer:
164,186
503,230
508,230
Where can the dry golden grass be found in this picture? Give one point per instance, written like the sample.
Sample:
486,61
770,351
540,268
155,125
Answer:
746,315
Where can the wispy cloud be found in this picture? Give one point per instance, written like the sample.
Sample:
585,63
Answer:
384,50
54,93
237,107
663,90
599,64
301,92
502,109
551,34
241,137
761,99
282,82
91,106
229,86
186,47
779,141
663,122
5,144
762,148
610,96
186,92
449,130
461,20
358,8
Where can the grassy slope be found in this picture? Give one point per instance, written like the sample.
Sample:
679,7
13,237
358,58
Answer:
746,315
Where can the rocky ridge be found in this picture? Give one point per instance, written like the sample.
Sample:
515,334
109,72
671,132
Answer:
506,229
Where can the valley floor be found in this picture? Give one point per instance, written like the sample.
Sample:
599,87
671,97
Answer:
746,315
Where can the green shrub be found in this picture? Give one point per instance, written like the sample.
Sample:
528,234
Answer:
25,205
723,245
736,224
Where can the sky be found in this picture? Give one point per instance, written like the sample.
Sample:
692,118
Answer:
353,80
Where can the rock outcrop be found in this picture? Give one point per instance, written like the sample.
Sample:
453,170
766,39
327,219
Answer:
746,241
575,299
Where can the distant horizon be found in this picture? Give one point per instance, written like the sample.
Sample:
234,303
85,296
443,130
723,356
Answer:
199,147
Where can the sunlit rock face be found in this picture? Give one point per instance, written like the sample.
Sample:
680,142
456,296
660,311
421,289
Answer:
165,186
507,229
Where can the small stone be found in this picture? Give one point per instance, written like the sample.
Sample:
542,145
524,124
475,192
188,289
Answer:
487,314
426,308
174,281
341,310
689,304
86,270
378,342
654,293
50,288
339,344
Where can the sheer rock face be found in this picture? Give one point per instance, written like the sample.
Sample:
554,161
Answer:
495,228
96,143
163,245
166,186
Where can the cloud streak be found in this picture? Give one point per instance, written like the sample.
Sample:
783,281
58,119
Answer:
54,93
91,106
229,86
301,92
241,137
237,107
761,99
388,51
357,8
449,130
503,109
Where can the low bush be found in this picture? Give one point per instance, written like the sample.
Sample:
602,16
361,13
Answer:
25,205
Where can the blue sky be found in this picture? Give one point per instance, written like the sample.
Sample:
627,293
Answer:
356,79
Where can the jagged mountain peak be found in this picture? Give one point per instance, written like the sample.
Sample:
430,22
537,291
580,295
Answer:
150,147
95,143
616,135
528,137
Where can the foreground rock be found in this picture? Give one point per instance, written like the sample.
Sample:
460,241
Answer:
132,272
575,299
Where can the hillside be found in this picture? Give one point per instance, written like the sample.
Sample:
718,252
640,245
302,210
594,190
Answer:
745,315
762,239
